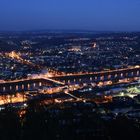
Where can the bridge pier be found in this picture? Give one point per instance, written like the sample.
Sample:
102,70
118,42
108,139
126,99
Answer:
33,84
94,79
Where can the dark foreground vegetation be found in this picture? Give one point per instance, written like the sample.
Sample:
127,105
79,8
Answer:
68,121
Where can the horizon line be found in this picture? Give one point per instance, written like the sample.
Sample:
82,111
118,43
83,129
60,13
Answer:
70,30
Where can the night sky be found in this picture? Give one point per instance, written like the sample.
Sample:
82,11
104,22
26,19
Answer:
98,15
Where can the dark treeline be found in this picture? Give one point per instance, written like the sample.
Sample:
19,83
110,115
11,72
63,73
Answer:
61,122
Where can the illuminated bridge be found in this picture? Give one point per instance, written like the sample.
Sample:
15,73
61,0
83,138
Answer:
26,85
97,77
113,76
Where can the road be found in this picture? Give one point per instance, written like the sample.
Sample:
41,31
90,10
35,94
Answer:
51,76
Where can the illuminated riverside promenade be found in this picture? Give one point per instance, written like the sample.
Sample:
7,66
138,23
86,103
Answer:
60,80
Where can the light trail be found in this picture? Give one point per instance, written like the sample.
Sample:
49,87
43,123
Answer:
71,95
55,81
